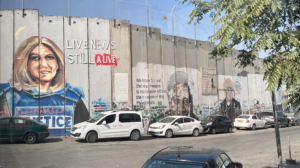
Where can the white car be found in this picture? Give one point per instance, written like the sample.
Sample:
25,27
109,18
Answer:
249,121
110,124
175,125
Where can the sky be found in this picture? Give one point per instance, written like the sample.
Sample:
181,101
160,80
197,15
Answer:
160,15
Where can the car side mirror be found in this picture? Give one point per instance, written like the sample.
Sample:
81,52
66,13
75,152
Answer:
285,115
238,165
103,123
176,123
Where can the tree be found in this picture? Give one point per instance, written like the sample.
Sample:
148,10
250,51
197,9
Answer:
269,25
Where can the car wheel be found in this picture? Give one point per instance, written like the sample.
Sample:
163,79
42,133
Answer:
169,134
279,124
289,124
265,127
237,128
253,127
296,124
91,137
196,132
135,135
230,130
30,138
213,131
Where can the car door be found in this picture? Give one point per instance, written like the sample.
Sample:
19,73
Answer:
109,129
219,124
227,123
255,121
177,129
188,125
125,124
260,121
18,128
227,163
297,118
4,128
282,118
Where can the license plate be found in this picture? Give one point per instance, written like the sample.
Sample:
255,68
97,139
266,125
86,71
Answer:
240,120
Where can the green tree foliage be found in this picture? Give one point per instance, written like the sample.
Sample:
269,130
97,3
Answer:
269,25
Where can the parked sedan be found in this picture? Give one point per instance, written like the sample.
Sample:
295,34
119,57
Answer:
175,125
249,121
282,119
214,124
190,157
14,128
294,117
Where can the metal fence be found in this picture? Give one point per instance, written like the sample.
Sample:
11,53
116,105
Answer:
159,13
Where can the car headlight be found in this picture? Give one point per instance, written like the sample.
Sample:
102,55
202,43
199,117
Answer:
82,127
209,123
161,127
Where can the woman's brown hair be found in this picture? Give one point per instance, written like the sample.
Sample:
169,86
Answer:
22,79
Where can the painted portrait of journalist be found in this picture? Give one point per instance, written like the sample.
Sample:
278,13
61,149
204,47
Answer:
39,77
179,95
230,106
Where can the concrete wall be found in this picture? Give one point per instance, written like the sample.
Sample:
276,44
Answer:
121,74
91,65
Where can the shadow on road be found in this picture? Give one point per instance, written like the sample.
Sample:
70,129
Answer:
41,141
143,138
247,129
297,165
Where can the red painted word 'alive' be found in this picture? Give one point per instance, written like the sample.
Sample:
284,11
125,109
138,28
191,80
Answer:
106,60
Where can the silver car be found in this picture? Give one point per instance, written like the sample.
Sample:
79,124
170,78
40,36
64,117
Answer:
294,117
283,120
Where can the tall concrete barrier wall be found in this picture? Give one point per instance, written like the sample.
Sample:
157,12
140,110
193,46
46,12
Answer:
62,72
121,74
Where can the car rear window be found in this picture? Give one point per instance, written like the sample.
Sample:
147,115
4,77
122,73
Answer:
245,117
124,118
210,118
135,118
4,122
187,120
129,118
280,114
173,164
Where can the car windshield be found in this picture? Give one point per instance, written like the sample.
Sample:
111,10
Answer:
174,164
210,118
246,117
167,120
96,118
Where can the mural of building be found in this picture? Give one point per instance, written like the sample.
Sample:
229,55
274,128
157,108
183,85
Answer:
62,72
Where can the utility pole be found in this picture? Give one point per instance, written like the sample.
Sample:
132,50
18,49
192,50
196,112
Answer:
113,13
173,25
217,73
195,31
277,132
69,12
147,18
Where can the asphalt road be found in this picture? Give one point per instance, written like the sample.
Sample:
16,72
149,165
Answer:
254,149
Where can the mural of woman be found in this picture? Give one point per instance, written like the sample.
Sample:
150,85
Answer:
39,78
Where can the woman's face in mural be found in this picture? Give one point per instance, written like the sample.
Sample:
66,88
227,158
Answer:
42,63
180,99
